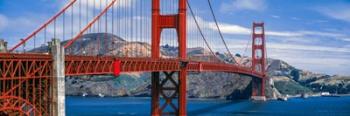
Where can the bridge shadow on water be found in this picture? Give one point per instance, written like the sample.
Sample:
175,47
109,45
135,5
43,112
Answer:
241,107
238,103
213,108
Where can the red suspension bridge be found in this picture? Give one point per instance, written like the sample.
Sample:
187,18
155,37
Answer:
32,72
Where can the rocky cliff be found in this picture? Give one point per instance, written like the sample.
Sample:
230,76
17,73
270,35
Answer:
284,78
290,80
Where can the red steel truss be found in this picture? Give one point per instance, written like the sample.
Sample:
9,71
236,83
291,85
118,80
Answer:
25,84
21,73
39,65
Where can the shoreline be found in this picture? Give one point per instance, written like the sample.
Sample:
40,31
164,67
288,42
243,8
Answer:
294,96
316,95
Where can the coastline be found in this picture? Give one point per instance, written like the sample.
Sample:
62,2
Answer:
147,97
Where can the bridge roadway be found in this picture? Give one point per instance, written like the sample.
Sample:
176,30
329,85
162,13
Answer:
22,66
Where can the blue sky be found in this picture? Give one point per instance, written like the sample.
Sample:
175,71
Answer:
313,35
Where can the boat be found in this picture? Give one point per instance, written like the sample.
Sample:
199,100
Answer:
327,94
84,94
101,95
304,95
282,98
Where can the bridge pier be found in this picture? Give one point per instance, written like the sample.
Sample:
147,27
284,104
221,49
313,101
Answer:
171,90
258,89
58,79
3,46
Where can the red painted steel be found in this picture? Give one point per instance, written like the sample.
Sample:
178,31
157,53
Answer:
259,58
160,22
13,105
25,67
116,66
25,84
100,65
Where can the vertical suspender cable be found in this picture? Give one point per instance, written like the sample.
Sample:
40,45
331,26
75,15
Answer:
34,41
63,28
219,30
112,39
112,19
54,29
106,29
79,14
136,28
132,27
87,14
93,13
45,35
200,30
72,28
139,28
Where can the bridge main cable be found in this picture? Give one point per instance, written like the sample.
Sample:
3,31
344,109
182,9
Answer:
219,30
43,26
200,31
89,25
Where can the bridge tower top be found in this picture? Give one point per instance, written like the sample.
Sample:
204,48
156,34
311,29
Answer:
175,21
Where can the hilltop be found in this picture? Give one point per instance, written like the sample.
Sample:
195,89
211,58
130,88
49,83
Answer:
284,78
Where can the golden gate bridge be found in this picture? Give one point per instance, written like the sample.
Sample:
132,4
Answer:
32,72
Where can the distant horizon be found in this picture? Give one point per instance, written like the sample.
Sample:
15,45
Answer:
309,35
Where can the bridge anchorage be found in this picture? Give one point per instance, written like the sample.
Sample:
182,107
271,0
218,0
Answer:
33,83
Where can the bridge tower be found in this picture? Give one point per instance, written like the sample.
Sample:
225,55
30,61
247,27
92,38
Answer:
258,59
159,87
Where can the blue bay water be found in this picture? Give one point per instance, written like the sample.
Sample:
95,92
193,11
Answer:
111,106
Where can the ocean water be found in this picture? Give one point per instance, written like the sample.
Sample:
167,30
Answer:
109,106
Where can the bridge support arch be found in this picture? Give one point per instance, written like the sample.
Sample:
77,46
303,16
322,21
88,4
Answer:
258,60
160,22
13,105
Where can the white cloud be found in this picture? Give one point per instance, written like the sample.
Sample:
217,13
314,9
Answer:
236,5
230,29
340,12
275,16
283,34
307,47
103,3
295,18
241,44
316,61
301,36
345,39
322,59
236,29
240,30
322,21
3,22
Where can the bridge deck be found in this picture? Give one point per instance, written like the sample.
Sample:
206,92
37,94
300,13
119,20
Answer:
33,65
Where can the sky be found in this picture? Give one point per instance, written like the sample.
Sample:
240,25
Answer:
313,35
